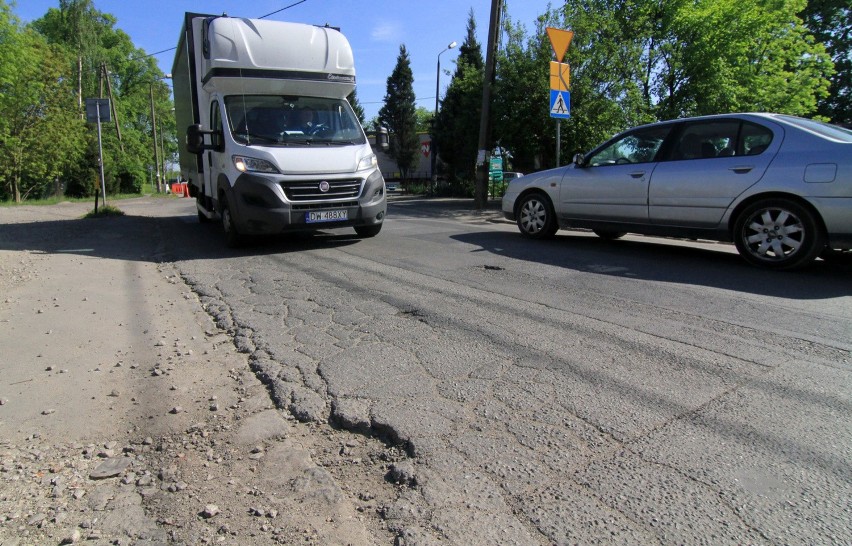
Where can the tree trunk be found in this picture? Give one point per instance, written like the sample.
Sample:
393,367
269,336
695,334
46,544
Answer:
80,84
16,187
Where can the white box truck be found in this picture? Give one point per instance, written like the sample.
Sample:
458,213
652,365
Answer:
272,144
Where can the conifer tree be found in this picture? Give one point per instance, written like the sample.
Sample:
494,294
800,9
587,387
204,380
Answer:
399,114
356,106
457,127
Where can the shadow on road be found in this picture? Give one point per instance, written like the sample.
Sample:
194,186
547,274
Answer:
153,239
658,261
165,236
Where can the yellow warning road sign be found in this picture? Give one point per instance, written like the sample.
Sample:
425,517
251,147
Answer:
559,40
560,76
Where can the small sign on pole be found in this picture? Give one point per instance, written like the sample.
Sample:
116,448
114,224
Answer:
560,104
98,108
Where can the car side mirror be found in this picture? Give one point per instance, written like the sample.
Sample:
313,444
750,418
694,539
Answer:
579,160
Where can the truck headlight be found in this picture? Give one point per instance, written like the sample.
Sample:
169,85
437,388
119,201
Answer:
367,163
253,165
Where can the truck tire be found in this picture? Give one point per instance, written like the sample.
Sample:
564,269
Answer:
232,237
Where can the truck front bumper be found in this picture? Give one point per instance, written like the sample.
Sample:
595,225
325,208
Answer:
259,206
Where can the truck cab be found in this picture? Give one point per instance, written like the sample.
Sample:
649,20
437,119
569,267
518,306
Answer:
272,143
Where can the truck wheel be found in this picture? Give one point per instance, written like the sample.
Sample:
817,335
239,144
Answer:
368,231
232,238
778,234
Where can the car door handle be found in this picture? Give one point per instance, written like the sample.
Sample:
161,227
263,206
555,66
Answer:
742,169
637,174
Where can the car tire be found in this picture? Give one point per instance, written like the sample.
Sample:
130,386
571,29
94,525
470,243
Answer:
368,231
536,217
778,234
232,237
609,235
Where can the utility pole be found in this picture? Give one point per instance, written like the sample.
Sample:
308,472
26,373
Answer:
154,128
112,104
481,188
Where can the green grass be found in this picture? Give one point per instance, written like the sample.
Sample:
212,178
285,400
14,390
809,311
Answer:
107,210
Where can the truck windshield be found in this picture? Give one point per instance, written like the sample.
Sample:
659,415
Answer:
270,120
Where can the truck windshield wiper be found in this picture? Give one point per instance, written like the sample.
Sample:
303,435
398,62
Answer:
333,142
262,138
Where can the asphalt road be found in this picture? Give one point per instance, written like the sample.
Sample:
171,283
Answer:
642,391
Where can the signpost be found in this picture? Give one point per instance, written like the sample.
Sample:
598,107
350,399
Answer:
560,80
495,172
97,111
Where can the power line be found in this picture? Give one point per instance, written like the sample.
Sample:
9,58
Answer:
174,48
152,54
282,9
420,99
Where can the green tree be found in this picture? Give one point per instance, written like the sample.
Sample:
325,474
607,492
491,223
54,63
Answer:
457,127
356,106
644,60
104,59
830,21
520,116
423,118
605,80
729,55
399,114
41,133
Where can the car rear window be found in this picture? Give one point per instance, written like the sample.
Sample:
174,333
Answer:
825,130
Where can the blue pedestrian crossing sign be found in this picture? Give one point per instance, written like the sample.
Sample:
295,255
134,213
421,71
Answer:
560,104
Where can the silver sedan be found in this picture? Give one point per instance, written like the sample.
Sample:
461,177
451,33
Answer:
778,186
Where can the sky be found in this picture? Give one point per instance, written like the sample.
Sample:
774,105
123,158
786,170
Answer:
375,29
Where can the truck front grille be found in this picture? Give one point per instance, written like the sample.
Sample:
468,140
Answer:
312,190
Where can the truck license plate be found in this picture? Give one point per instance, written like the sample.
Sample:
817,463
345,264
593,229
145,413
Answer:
326,216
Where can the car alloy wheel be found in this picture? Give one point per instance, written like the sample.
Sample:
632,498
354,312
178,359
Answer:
536,218
778,233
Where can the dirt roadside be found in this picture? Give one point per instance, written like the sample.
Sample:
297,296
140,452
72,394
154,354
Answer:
128,417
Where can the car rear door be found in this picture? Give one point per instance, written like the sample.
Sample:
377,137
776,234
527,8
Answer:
709,164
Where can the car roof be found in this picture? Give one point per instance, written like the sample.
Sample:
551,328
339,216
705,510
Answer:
767,116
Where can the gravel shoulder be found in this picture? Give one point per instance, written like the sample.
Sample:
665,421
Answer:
128,417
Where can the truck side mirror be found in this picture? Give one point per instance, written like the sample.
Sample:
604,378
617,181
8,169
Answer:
194,139
382,138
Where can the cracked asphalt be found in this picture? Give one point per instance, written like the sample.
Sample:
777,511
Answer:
557,392
573,391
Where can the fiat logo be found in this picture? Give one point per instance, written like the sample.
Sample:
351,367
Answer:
324,186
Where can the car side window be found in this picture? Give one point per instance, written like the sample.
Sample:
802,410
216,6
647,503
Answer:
706,140
755,139
640,146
